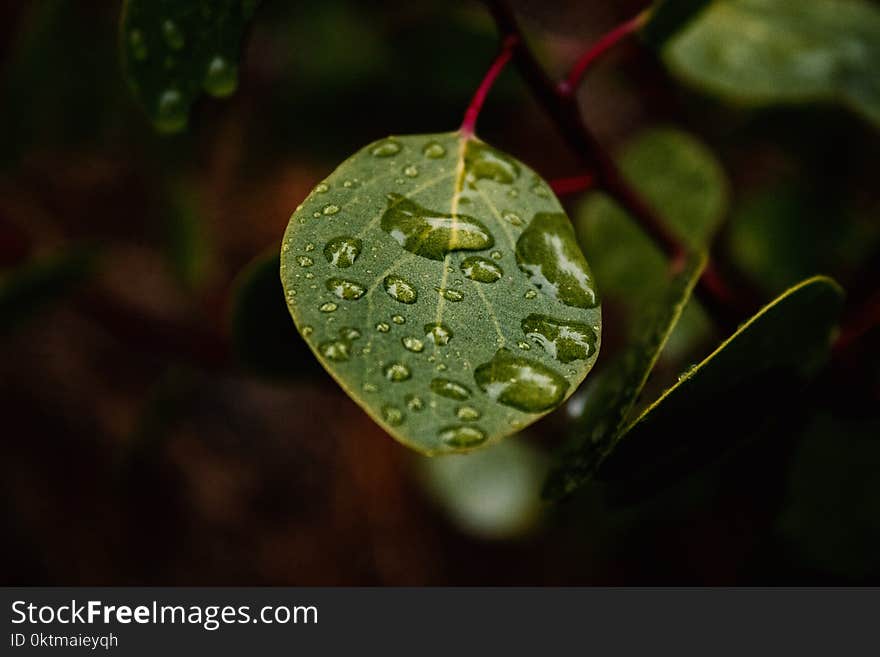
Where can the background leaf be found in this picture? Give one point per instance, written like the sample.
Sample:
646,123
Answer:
172,50
439,281
783,51
667,17
726,397
612,394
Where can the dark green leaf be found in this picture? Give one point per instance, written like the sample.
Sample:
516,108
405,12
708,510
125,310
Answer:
667,17
726,397
439,281
784,51
172,50
613,392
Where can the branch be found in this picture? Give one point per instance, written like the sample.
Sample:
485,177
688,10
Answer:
572,185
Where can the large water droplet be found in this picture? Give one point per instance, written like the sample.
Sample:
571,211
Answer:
482,162
221,78
386,148
399,289
173,35
397,372
521,383
433,150
563,340
432,234
392,415
451,389
138,45
171,111
548,252
413,344
467,413
342,251
345,289
461,436
481,269
438,333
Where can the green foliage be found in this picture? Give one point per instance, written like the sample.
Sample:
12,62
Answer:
725,398
439,282
668,17
172,50
30,288
614,391
784,51
262,337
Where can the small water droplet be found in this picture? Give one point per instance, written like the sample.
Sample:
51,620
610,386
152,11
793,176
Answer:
342,251
451,389
413,344
345,289
480,269
316,214
525,346
433,150
467,413
399,289
171,112
450,295
305,261
330,209
310,247
414,402
513,192
349,333
310,275
411,171
496,255
539,190
322,188
461,436
392,415
397,372
328,307
370,387
438,333
335,350
530,294
512,218
386,148
398,319
221,78
350,184
173,35
138,45
307,330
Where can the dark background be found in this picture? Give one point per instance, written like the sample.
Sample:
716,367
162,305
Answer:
136,448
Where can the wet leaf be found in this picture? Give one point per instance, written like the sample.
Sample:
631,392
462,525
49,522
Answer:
612,393
172,50
726,398
439,281
784,51
668,17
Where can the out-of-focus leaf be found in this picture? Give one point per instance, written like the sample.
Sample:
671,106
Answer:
172,50
439,281
26,290
491,494
784,51
186,243
263,338
831,516
726,398
667,17
613,393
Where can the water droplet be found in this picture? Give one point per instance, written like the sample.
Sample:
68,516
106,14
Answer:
539,190
530,294
438,333
461,436
411,171
310,275
386,148
342,251
433,150
451,389
482,162
328,307
335,350
467,413
450,295
370,387
398,319
512,218
345,289
414,402
392,415
432,234
480,269
349,333
382,327
138,45
173,35
315,214
171,111
221,78
525,346
397,372
563,340
305,261
307,330
441,367
330,209
399,289
521,383
310,247
548,252
322,188
513,192
413,344
496,255
351,184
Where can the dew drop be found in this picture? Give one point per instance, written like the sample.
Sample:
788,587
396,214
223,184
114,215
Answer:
328,307
540,190
397,372
398,319
563,340
392,415
411,171
461,436
467,413
512,218
330,209
449,294
369,387
530,294
433,150
310,247
322,188
451,389
414,402
307,330
482,162
413,344
480,269
345,289
305,261
399,289
173,35
386,148
221,78
382,327
171,112
335,350
438,333
520,383
342,251
496,255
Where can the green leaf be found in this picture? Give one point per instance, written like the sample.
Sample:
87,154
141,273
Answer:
667,17
614,391
35,285
439,281
172,50
727,396
262,337
784,51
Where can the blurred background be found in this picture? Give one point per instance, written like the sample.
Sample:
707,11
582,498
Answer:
147,438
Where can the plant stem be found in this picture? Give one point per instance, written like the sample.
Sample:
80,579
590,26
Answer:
572,185
726,306
498,64
598,49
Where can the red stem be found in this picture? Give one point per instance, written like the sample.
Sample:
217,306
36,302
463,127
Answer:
573,185
598,49
473,110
